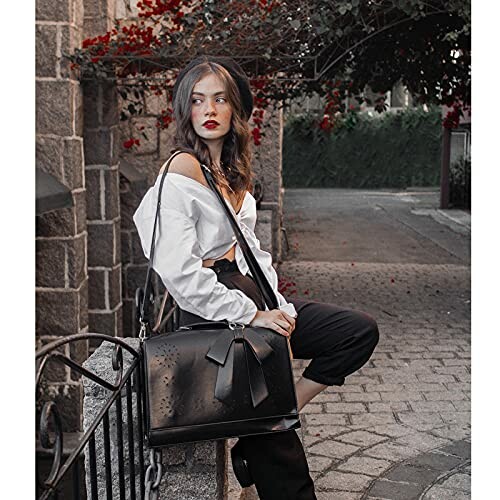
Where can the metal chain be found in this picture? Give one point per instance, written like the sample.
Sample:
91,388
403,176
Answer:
154,473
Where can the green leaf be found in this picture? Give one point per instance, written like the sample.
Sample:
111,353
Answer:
295,24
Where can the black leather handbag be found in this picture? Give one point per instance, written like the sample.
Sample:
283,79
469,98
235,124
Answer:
217,379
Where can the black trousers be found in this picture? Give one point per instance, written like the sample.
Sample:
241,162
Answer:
338,341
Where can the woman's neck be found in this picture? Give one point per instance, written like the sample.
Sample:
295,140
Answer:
215,148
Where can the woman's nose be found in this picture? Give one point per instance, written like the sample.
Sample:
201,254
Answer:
210,106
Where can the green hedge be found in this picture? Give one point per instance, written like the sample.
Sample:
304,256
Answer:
395,150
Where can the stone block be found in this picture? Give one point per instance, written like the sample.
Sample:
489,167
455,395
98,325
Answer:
126,247
93,26
128,318
388,407
365,465
432,406
345,408
401,396
71,38
83,305
54,370
47,10
421,421
109,101
78,12
77,260
93,194
80,207
411,474
344,481
91,102
393,452
50,263
333,449
360,397
101,244
394,491
97,299
54,107
369,419
57,312
440,493
317,419
79,352
73,162
445,396
115,286
46,51
97,147
361,438
459,449
436,461
49,156
111,196
103,322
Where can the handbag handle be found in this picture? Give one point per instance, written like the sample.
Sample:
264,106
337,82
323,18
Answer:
257,273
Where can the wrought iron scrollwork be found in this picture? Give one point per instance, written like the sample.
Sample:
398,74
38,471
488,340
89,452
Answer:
50,428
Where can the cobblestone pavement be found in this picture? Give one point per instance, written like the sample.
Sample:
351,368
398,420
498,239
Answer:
400,427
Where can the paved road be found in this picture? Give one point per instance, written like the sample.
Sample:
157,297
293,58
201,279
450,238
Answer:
400,427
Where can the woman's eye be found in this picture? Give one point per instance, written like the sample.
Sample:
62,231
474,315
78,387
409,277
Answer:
223,99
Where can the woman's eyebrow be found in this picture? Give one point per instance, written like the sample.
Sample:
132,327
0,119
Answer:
215,93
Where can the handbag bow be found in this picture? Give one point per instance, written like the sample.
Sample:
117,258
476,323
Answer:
222,352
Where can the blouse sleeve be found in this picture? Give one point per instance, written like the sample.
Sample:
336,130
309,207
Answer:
195,288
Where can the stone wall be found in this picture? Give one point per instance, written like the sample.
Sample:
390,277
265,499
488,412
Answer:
61,235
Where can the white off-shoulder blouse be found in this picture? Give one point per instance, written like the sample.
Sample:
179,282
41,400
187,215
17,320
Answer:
193,227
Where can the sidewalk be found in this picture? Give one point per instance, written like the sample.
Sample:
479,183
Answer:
400,427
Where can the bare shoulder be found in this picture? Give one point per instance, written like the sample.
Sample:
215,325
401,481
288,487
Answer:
187,165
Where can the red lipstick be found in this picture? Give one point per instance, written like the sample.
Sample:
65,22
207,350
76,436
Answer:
210,124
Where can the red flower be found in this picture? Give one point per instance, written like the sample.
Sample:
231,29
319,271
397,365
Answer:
130,142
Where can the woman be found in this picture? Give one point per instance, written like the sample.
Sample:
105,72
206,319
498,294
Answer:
204,269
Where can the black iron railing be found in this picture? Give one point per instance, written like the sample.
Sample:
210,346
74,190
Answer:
65,478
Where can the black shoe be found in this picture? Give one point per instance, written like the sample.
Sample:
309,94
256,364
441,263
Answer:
240,467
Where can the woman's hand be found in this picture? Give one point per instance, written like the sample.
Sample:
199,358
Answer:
276,320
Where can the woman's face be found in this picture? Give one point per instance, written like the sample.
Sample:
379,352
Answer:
209,103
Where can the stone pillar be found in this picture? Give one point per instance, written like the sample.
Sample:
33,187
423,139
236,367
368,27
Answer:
61,236
103,207
268,162
101,141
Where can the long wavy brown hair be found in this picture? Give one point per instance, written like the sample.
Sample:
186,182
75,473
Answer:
236,154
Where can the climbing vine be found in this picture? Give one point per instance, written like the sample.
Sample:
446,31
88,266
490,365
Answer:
291,50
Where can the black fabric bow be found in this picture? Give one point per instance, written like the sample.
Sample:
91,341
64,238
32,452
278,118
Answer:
222,352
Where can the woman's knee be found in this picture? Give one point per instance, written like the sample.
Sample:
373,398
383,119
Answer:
368,329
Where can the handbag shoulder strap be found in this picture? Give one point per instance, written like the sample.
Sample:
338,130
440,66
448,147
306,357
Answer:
147,300
257,273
